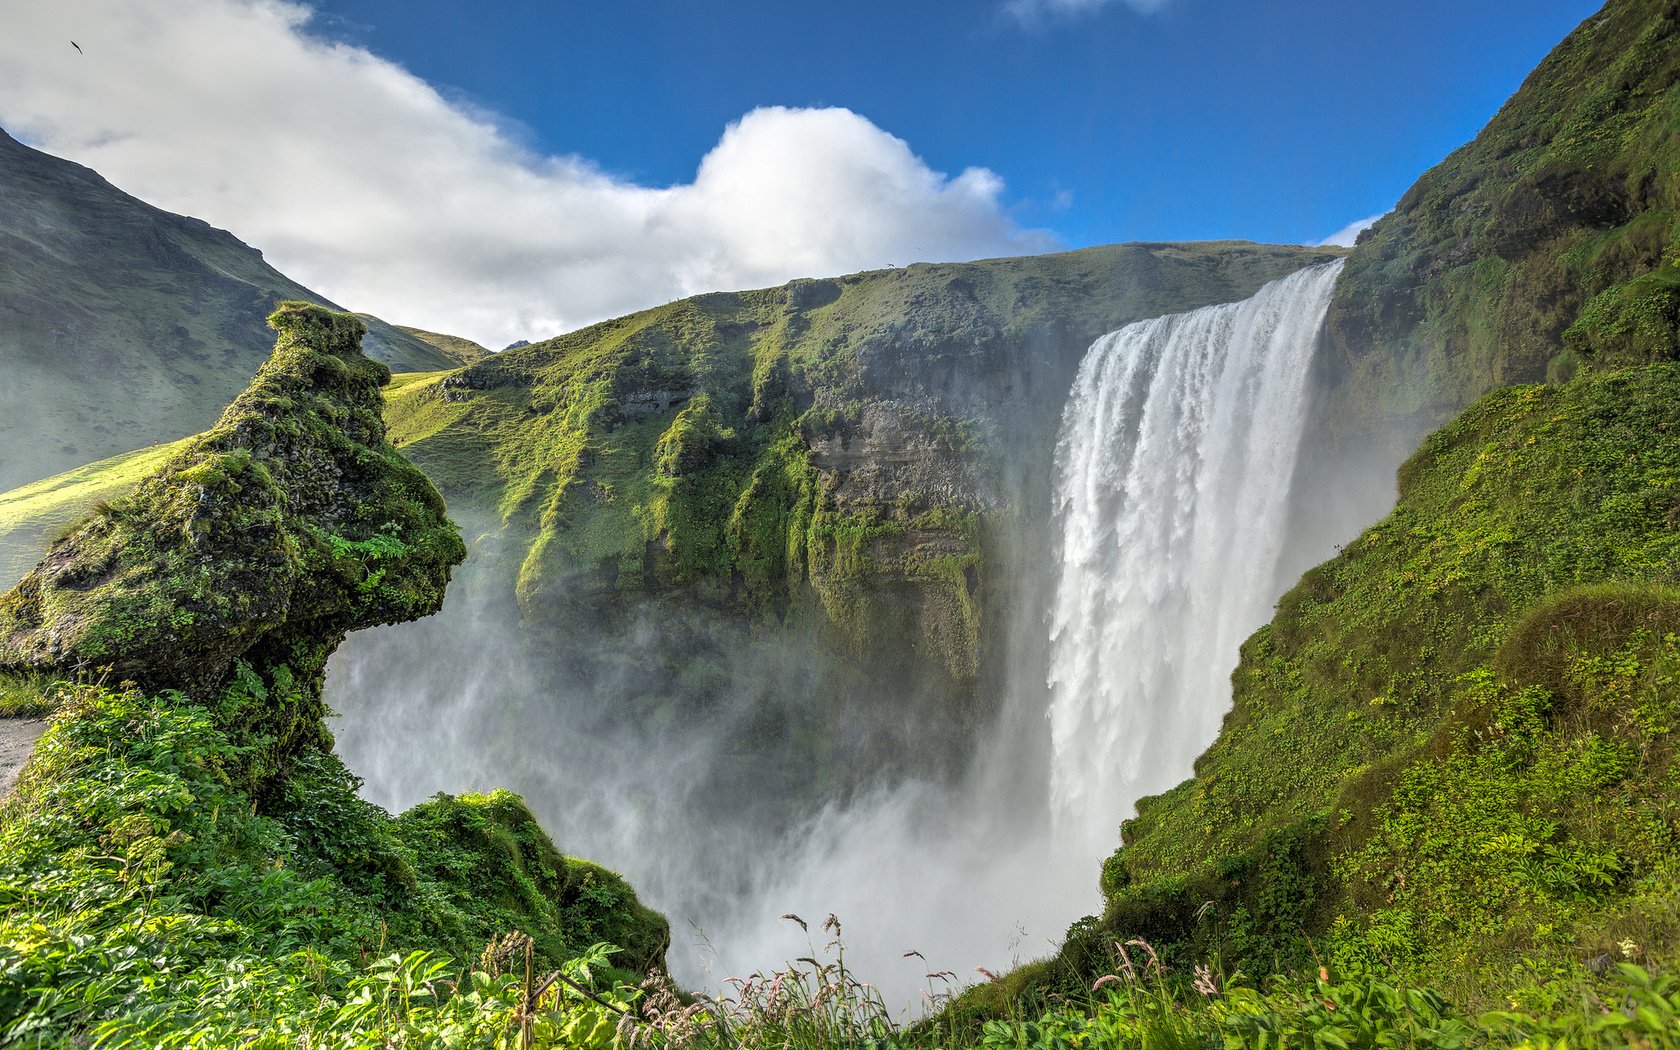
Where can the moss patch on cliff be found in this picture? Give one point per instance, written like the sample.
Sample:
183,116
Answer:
827,464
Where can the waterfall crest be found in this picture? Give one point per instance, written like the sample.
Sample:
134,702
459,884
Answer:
1173,470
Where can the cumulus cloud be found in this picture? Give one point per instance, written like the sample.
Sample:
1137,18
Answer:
1350,233
1035,12
363,182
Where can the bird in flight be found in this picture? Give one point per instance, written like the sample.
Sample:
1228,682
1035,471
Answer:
78,48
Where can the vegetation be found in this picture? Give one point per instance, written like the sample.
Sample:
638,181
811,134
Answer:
1551,240
185,861
461,351
1450,758
33,515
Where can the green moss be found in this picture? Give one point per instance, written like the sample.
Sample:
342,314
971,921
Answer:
191,823
490,855
292,510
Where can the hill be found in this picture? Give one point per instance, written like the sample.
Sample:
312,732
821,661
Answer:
121,324
1449,756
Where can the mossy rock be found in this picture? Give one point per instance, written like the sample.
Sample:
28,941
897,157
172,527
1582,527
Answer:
289,523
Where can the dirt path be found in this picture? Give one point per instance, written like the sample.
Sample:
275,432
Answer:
17,742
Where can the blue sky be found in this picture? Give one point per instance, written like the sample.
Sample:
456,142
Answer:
1277,121
513,170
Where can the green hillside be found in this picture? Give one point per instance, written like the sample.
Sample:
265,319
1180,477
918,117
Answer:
1453,749
1450,756
461,351
121,324
1550,241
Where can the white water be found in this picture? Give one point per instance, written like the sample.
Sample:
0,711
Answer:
1177,449
1178,443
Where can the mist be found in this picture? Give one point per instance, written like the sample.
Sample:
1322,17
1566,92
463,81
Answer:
737,773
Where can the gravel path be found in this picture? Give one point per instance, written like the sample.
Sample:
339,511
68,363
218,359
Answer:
17,742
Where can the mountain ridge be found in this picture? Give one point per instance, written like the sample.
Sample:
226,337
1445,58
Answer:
122,324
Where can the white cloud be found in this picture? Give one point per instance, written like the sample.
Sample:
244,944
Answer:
1350,233
1034,12
363,182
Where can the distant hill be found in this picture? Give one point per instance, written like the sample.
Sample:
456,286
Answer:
464,351
122,324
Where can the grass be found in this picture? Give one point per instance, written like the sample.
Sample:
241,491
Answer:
1548,241
33,515
1452,752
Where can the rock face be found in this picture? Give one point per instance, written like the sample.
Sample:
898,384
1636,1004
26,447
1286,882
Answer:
122,324
257,548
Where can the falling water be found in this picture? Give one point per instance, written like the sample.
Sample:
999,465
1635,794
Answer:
1173,474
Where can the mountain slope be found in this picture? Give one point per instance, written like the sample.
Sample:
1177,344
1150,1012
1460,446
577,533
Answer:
122,324
1453,749
1549,241
1451,753
461,351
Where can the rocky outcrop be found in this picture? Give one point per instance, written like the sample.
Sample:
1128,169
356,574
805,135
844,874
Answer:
288,524
1545,244
205,605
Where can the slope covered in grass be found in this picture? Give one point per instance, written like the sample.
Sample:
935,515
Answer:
1551,239
1451,756
32,515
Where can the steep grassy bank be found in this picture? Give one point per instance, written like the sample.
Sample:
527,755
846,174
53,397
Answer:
185,856
1451,756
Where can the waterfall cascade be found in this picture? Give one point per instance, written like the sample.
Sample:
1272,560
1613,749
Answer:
1173,467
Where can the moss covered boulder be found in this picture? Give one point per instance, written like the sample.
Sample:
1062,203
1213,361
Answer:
185,855
265,540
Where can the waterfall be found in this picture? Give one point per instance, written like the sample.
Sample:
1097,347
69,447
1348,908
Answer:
1172,480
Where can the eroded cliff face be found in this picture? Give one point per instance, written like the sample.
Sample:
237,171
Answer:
855,470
